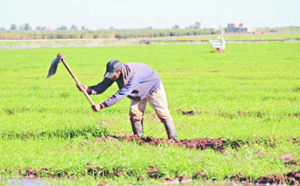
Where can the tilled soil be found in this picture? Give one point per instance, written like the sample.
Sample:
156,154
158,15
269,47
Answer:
217,144
198,143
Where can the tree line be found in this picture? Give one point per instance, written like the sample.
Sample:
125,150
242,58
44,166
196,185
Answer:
97,34
63,32
27,27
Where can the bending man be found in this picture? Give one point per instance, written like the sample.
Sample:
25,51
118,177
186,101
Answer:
141,84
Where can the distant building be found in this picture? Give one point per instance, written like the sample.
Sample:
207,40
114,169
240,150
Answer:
235,27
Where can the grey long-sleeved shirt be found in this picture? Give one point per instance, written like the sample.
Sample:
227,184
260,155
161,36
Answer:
137,81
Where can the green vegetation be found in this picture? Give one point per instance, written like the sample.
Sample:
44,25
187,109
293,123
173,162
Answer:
142,33
84,34
252,92
57,34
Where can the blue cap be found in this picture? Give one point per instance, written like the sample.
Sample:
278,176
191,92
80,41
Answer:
112,67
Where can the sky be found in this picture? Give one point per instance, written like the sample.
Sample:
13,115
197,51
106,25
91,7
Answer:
158,14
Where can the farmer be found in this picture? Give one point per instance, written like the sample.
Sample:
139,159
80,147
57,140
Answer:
141,84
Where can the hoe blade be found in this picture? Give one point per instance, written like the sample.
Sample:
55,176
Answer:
53,67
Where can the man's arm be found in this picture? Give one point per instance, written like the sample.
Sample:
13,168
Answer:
96,89
123,92
101,87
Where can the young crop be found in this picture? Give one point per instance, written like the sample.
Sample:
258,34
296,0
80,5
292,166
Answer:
247,100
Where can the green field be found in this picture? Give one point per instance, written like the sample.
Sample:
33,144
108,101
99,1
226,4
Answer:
250,93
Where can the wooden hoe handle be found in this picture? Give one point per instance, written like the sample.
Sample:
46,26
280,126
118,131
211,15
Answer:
74,77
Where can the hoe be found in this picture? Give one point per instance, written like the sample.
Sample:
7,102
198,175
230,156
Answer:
53,67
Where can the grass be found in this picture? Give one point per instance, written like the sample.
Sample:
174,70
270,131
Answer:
251,92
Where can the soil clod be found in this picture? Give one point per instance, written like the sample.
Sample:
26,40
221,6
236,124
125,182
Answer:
198,143
286,157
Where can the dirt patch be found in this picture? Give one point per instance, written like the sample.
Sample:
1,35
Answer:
198,143
219,113
291,163
293,115
239,113
250,113
292,178
113,172
217,144
192,112
22,110
286,157
10,111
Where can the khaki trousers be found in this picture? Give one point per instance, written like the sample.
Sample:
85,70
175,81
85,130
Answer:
157,100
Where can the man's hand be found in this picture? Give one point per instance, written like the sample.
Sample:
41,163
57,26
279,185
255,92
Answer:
82,87
96,107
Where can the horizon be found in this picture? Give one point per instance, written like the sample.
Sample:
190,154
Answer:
79,29
136,14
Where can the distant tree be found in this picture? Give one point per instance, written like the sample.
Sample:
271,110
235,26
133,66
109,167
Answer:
74,27
161,34
190,27
176,27
172,34
2,28
62,28
148,28
27,26
111,28
197,25
13,27
21,27
83,28
38,28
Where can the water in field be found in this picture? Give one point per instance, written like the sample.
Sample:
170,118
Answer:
28,182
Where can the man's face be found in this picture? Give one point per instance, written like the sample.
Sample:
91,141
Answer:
116,76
